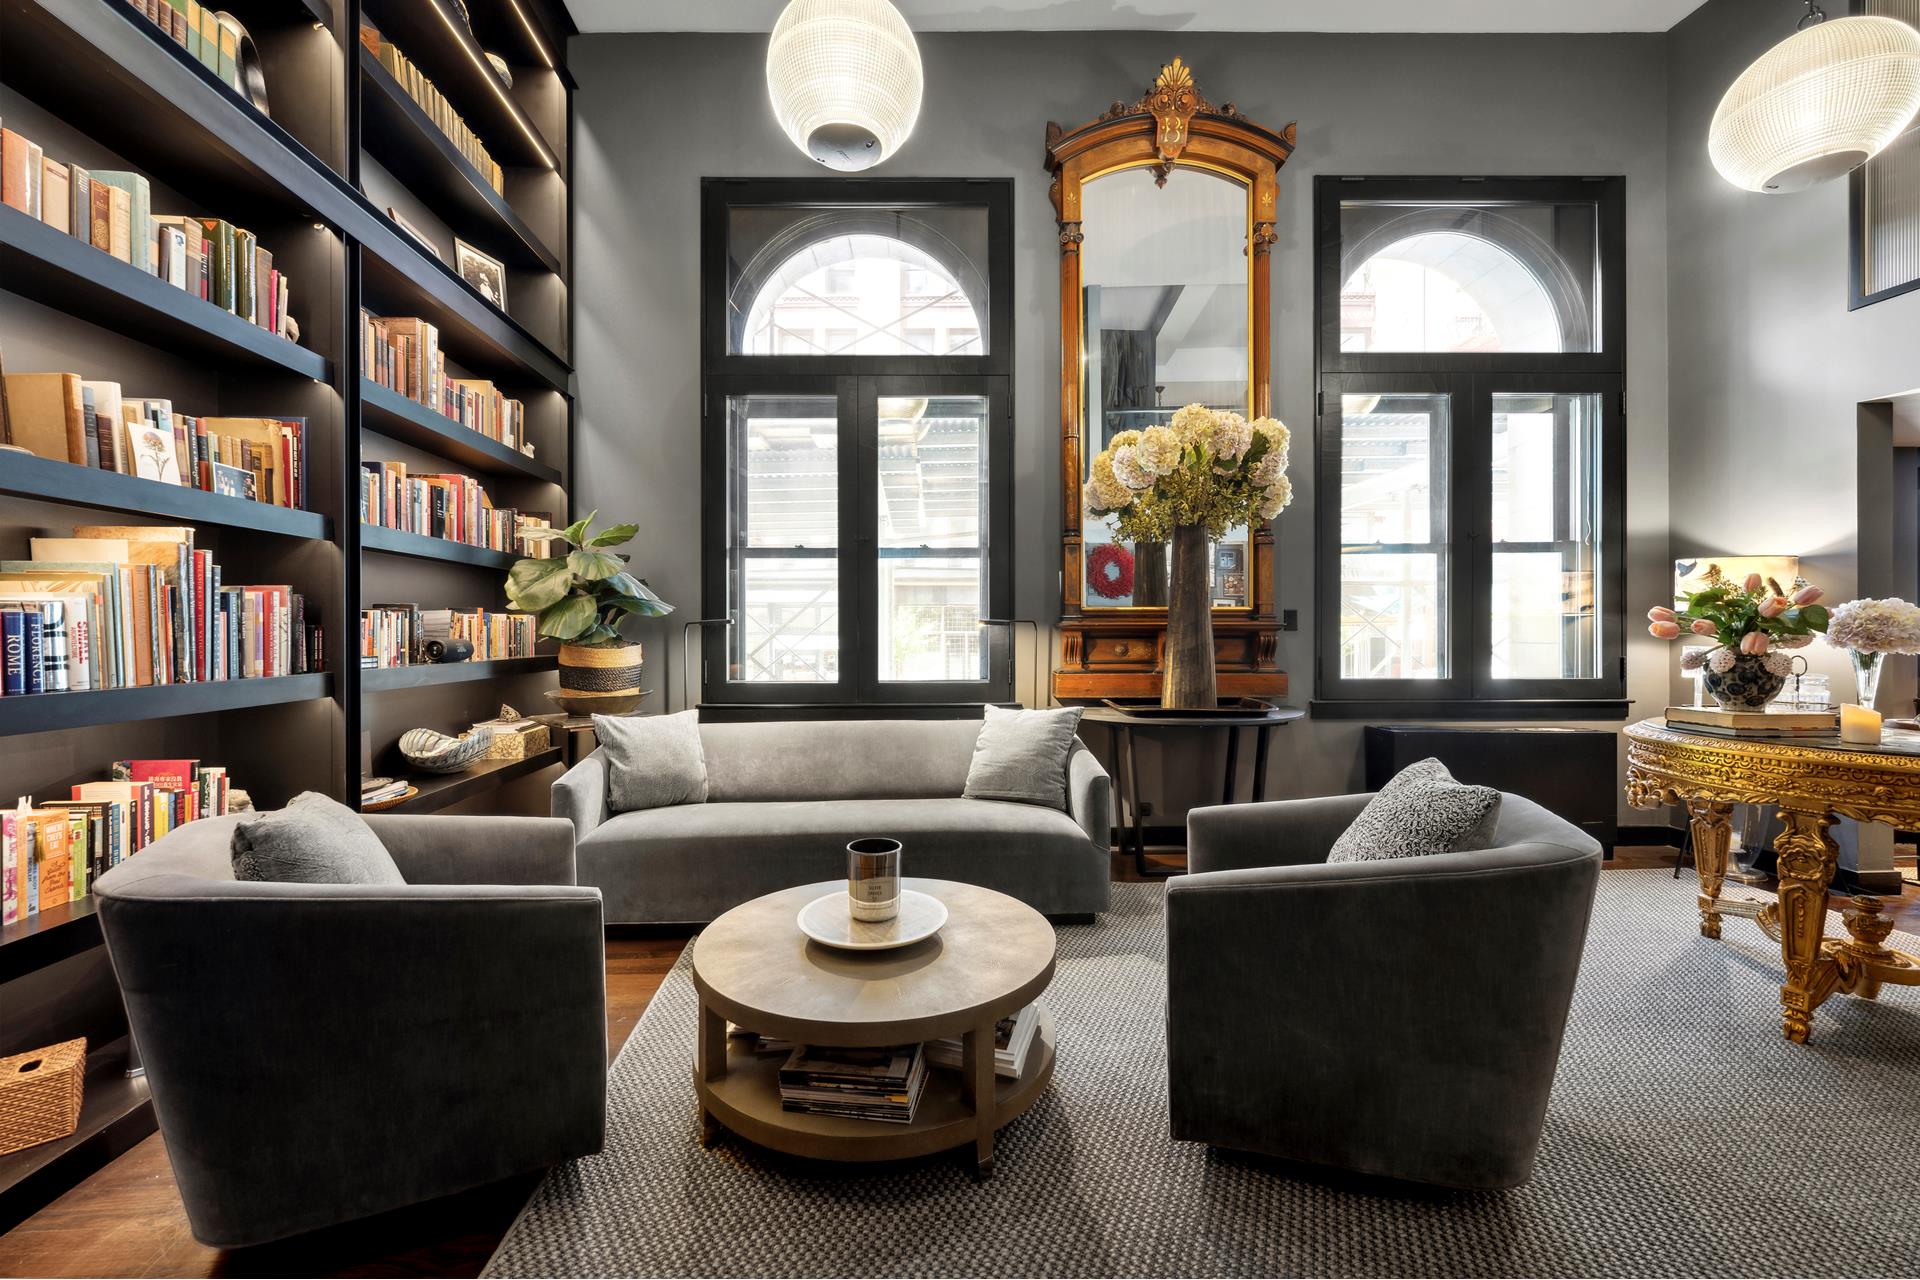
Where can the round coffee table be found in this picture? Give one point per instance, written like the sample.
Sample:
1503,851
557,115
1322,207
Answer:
755,968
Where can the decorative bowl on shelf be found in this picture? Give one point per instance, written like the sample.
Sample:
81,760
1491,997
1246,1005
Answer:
434,752
581,702
500,68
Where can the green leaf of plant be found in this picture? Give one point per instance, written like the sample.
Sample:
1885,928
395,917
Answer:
614,535
578,529
591,566
1814,615
532,585
570,619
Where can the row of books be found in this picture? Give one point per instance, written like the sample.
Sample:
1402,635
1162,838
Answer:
52,852
449,506
112,210
211,37
883,1084
115,607
435,104
402,353
396,635
68,418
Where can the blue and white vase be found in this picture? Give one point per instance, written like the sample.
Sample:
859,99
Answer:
1748,685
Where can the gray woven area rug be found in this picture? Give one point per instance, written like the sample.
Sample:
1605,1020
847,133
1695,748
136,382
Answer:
1685,1137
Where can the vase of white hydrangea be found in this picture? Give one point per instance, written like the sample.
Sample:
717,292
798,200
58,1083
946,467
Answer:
1186,484
1869,630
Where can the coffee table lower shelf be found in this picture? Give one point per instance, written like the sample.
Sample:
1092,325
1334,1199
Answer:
746,1100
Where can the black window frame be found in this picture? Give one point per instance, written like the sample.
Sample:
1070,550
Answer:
1470,381
856,382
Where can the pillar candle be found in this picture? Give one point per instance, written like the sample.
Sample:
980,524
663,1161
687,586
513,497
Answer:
1859,724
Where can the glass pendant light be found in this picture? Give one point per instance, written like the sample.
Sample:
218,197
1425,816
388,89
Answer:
844,76
1819,104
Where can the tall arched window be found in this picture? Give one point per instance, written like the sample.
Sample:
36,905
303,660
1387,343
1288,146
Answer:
1471,447
858,424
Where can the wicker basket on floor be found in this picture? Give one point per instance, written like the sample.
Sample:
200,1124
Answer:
40,1094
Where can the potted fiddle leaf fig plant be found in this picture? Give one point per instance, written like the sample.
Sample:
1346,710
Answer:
579,596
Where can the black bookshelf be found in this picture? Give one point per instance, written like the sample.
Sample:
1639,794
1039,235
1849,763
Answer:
51,712
24,476
116,1112
55,269
397,542
443,48
386,412
47,937
422,674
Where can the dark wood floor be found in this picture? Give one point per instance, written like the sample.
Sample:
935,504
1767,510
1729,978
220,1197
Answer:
127,1220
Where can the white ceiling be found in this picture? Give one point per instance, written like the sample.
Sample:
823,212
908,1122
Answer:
1166,15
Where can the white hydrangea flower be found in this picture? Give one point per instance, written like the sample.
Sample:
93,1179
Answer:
1693,659
1722,661
1875,626
1231,437
1193,423
1780,664
1274,498
1158,451
1128,471
1276,433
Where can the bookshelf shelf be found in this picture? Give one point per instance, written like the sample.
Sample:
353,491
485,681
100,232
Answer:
444,790
24,476
473,331
397,542
115,1113
436,40
420,675
388,413
47,937
48,712
402,138
53,268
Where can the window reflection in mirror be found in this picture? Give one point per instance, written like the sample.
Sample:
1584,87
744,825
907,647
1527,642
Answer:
1163,272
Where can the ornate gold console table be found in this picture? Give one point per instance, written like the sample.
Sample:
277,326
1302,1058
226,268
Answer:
1811,780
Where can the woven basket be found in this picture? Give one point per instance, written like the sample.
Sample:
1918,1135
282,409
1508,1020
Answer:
600,669
40,1094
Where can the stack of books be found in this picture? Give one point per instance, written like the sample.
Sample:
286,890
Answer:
1012,1040
431,101
402,353
377,791
1796,722
210,36
112,210
863,1084
395,635
51,853
66,418
438,505
115,607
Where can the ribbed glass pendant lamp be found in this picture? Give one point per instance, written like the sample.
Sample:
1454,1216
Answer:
1819,104
844,76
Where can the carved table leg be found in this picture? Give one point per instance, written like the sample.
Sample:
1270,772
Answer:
1865,961
1807,856
1712,826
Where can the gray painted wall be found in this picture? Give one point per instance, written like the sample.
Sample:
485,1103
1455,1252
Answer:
657,113
1768,365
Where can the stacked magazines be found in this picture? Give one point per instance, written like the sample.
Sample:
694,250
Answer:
1012,1039
865,1084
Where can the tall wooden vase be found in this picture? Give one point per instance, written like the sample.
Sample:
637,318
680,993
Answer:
1190,681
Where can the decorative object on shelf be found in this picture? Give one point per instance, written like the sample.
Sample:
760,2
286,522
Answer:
486,274
844,77
448,651
1110,571
1820,103
1754,622
581,597
515,737
829,922
1187,483
500,68
251,77
431,751
385,793
401,221
1869,630
873,879
40,1094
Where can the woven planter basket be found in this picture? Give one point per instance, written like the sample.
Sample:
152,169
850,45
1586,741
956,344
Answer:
40,1094
602,669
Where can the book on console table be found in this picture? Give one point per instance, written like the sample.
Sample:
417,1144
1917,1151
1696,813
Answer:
1796,722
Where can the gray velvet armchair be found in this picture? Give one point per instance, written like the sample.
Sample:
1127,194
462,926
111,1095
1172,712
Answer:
1399,1018
319,1053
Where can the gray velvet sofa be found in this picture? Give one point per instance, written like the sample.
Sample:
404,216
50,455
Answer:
319,1053
1400,1018
785,797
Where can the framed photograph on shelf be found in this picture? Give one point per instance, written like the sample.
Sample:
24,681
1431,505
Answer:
488,275
400,221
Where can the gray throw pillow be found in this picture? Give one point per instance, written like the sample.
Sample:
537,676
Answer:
1021,755
653,761
1421,810
314,840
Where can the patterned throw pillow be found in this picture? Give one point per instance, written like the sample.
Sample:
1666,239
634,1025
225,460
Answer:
1421,810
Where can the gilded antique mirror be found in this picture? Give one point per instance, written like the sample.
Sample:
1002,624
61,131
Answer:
1166,212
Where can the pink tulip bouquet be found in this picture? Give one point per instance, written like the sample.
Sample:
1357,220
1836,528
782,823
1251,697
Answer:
1756,624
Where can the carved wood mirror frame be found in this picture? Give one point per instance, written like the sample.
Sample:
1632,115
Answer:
1120,652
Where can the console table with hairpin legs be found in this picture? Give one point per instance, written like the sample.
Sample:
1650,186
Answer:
1811,780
